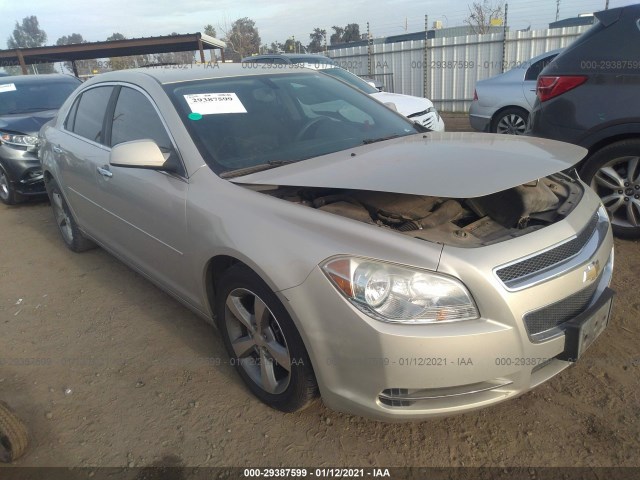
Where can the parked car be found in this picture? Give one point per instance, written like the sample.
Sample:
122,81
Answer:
26,103
334,242
418,109
290,59
501,104
590,96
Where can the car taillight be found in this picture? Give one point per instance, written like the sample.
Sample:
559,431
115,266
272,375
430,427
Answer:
475,94
550,86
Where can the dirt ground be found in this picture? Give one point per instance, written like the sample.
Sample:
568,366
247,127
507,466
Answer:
107,370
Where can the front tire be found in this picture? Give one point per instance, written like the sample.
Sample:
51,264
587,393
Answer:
67,226
614,173
511,121
8,194
263,342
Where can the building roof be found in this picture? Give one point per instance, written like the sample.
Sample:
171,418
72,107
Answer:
115,48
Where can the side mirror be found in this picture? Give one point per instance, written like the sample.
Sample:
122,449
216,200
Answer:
392,106
138,154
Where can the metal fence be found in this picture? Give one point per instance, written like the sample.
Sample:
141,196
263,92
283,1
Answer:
454,64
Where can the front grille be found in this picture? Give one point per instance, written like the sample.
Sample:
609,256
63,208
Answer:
557,313
549,258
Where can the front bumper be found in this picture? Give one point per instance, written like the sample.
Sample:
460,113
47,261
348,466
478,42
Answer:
432,120
23,170
397,372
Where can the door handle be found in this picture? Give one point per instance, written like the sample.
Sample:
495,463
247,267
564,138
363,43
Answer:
104,172
56,149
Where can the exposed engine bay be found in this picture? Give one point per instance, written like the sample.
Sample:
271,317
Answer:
470,222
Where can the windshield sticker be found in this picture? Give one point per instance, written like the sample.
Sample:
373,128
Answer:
214,103
195,116
7,87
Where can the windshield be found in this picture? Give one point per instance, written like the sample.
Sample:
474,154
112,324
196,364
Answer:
351,79
245,122
32,96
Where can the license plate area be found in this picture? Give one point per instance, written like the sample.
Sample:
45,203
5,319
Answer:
581,331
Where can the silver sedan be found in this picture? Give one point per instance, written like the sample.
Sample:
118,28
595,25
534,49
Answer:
501,104
332,241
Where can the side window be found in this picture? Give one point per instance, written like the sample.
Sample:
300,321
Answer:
71,117
135,119
535,69
90,113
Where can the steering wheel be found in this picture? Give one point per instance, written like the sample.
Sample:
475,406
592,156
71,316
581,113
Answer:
310,125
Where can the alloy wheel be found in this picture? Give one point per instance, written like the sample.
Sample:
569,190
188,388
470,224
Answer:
511,124
617,183
258,341
4,186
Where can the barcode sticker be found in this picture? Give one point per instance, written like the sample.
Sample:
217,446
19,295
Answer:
7,87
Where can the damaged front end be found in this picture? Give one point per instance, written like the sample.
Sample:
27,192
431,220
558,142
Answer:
468,222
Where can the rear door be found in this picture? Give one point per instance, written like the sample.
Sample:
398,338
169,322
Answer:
80,149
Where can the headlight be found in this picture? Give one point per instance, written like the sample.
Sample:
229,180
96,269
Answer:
18,140
394,293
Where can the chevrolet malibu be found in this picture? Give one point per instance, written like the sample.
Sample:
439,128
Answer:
336,245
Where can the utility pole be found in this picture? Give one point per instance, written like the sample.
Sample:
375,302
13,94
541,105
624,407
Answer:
558,9
606,5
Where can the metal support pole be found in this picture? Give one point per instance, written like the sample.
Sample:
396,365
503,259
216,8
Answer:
23,65
557,10
504,37
74,67
369,69
425,59
201,50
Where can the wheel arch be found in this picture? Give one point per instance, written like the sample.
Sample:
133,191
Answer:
497,113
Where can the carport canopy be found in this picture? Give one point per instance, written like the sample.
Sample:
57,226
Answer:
116,48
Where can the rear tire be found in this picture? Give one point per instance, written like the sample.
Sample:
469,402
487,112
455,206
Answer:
614,173
511,121
8,194
263,342
13,435
67,226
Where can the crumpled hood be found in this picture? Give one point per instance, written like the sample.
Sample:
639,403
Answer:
27,123
406,104
459,165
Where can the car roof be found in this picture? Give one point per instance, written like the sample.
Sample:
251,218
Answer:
48,77
287,56
185,73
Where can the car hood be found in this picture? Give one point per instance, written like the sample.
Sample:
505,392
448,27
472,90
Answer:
27,123
405,104
460,165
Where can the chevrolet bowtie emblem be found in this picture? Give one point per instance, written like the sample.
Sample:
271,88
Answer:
591,272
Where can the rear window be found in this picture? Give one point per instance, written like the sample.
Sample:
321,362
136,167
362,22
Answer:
26,97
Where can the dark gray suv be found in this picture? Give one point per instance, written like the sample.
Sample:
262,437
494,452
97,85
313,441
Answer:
590,96
26,103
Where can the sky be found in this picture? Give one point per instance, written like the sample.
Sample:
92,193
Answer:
276,20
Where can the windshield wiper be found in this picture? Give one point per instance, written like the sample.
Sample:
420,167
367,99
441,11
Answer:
255,168
367,141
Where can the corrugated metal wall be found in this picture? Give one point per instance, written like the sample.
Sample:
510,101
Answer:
454,64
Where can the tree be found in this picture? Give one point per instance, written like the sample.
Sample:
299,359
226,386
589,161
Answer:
209,30
291,46
482,13
351,33
318,38
242,38
28,34
336,36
